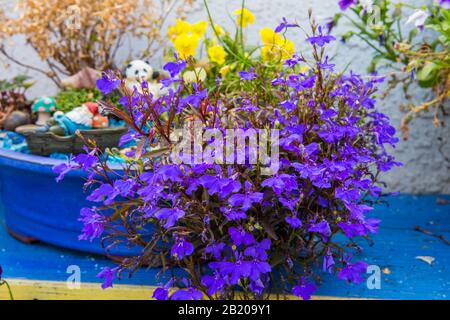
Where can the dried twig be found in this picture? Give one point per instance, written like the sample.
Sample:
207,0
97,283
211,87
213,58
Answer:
69,35
429,233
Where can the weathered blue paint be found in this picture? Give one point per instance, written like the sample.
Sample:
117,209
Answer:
36,206
395,247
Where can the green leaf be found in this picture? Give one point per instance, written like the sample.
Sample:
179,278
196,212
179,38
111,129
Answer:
427,76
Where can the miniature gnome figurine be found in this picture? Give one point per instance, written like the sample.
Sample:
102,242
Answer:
100,122
44,107
80,118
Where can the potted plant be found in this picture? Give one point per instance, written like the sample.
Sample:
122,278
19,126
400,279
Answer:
15,109
74,39
240,224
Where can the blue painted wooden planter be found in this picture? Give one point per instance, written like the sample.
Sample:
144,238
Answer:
36,207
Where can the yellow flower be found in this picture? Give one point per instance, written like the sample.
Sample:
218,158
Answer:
278,52
288,49
219,30
199,29
275,46
180,27
269,37
217,54
199,74
244,17
186,45
304,69
225,70
267,53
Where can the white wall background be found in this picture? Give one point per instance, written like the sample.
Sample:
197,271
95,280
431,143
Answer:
424,170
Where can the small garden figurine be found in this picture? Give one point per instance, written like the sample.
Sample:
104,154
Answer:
100,122
138,71
44,107
87,24
80,118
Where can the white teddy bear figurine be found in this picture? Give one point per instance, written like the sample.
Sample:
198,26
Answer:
138,71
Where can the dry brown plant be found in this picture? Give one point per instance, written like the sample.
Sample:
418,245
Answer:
69,35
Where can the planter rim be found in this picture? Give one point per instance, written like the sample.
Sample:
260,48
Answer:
45,161
32,162
52,212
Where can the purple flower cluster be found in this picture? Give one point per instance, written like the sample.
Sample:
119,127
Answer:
345,4
444,3
321,39
229,226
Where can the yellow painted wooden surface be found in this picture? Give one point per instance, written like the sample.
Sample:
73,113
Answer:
54,290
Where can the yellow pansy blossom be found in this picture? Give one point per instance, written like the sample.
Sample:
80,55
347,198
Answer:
288,49
218,29
217,54
180,27
244,17
225,70
268,36
278,52
199,28
186,45
275,46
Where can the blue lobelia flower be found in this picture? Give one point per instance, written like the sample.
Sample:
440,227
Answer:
189,294
93,224
108,275
240,236
322,228
352,272
215,283
174,67
245,201
181,249
294,222
170,215
304,289
215,250
284,24
345,4
107,83
161,294
328,262
247,75
321,39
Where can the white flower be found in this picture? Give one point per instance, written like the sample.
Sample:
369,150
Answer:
367,5
418,18
199,74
